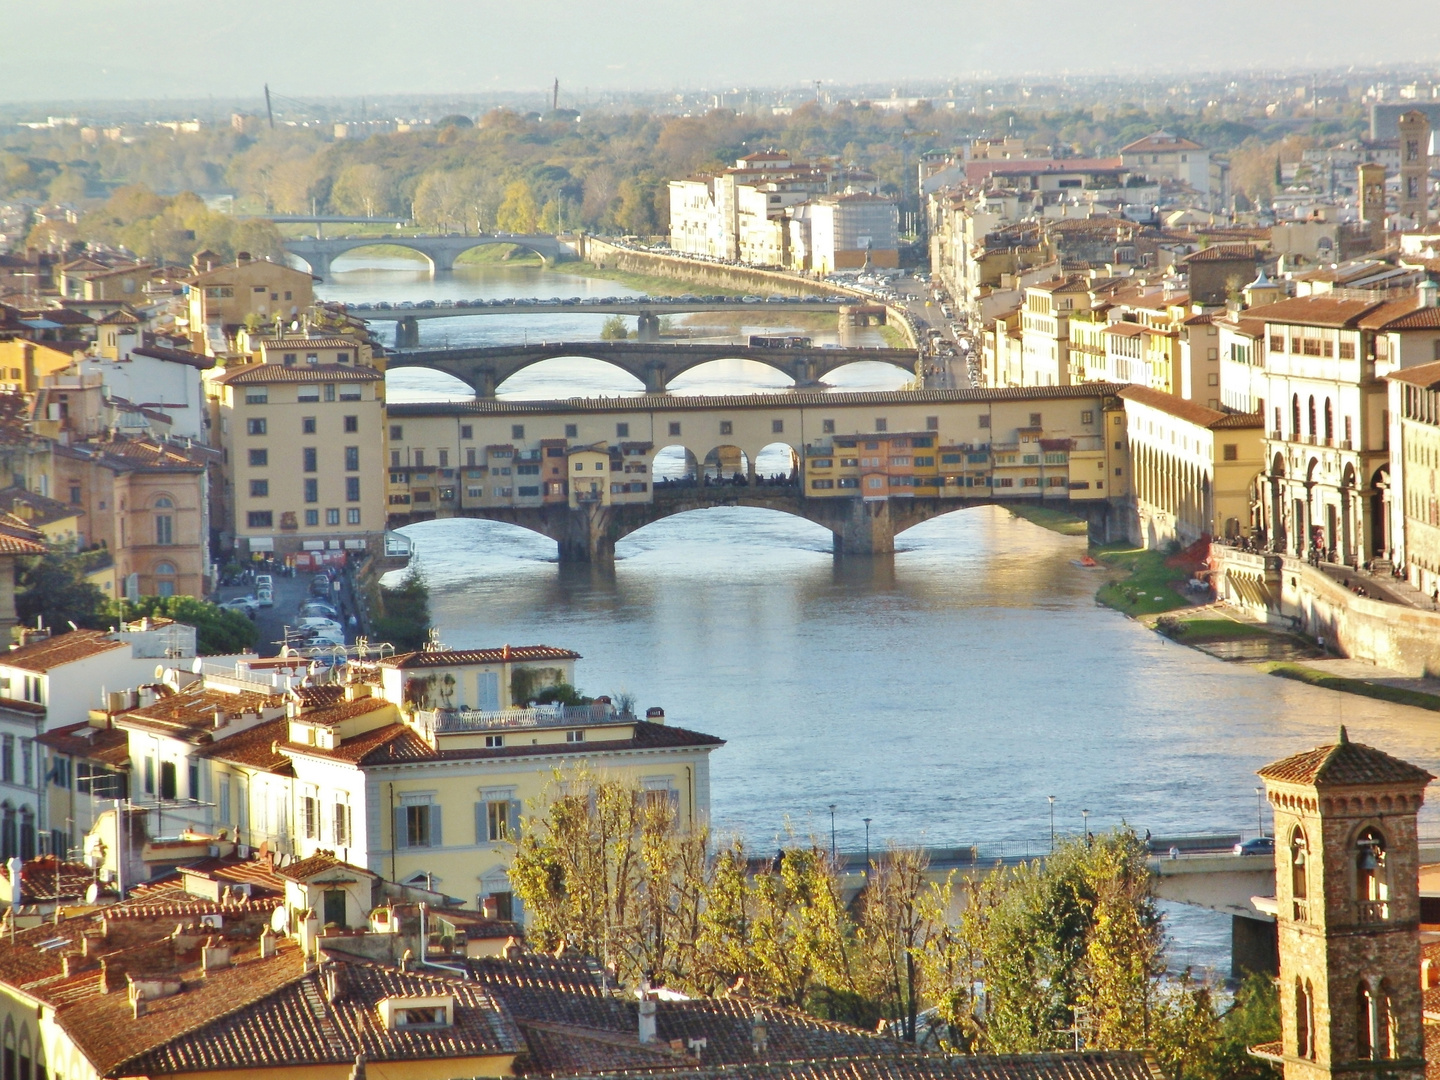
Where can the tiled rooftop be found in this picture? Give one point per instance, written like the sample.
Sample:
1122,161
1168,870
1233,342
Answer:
518,654
53,652
1345,763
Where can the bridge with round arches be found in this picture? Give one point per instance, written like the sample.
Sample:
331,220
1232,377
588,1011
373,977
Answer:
442,251
654,364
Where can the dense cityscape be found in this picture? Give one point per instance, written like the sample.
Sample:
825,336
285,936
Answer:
795,579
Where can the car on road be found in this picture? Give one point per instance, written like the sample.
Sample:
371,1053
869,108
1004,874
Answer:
315,609
246,605
264,581
265,596
1260,845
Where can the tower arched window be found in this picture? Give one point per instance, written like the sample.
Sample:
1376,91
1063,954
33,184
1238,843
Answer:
1329,421
1304,1021
1375,1030
1299,874
1295,416
1372,885
1312,414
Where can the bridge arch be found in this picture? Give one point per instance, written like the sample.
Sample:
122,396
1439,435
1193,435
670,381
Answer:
824,369
346,248
726,464
593,376
777,459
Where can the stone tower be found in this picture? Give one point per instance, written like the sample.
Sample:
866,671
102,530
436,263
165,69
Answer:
1415,167
1371,182
1348,907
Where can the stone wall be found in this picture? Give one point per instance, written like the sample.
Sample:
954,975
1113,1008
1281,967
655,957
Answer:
1290,593
725,276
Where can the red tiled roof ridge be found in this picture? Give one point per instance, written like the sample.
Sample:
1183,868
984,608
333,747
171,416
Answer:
491,655
1344,763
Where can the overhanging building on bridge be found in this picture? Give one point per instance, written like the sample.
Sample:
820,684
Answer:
865,465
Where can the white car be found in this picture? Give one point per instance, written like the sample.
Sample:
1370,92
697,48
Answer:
265,596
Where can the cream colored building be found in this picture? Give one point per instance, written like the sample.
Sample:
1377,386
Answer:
304,437
1194,468
1045,324
222,299
1415,473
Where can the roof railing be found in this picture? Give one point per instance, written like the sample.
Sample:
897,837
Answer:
452,721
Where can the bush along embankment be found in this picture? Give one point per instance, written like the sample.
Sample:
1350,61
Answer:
402,613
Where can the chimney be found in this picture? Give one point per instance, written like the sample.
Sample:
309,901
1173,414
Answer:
405,958
267,944
655,715
759,1036
214,956
647,1016
138,1007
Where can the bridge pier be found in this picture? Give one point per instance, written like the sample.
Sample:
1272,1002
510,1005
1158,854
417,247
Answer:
319,265
442,261
867,529
648,328
407,333
585,536
1254,946
657,379
804,371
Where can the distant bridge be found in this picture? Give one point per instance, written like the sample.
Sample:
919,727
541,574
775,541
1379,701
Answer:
654,364
672,306
442,251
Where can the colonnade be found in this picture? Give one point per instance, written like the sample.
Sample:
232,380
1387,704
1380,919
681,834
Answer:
1178,489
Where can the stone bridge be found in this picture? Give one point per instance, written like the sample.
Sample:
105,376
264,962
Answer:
589,532
654,364
442,251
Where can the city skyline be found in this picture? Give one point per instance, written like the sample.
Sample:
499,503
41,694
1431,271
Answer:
378,47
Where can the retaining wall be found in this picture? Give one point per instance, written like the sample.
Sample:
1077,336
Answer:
1288,592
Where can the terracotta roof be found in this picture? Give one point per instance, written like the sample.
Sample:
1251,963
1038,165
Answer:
1402,315
321,861
331,715
223,1023
255,747
1190,411
43,510
1345,763
790,400
144,455
1426,375
1315,311
226,869
506,654
1251,327
15,705
18,537
190,713
42,880
397,743
175,356
257,374
1086,1065
301,343
108,745
1222,253
1158,142
61,649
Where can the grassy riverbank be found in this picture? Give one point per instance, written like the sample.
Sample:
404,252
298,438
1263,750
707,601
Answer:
1380,691
1202,631
645,283
1148,585
1054,520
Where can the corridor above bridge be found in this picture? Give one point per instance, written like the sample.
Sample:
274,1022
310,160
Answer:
655,364
867,466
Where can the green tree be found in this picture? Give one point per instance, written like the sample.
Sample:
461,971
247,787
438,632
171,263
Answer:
614,329
217,631
403,612
897,927
362,188
53,589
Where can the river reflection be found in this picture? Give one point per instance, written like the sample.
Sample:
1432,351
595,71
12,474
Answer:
944,692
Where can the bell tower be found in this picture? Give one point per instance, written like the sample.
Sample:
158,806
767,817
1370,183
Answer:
1347,895
1415,167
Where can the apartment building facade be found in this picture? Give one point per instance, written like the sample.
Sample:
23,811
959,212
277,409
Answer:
303,434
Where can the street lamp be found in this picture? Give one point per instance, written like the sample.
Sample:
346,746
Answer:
832,832
1260,810
867,849
1085,816
1052,822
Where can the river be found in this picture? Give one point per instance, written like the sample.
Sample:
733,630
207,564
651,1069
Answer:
943,693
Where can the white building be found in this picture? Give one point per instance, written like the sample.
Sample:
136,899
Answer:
158,379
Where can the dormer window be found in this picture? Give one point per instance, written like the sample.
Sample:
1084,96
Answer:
418,1012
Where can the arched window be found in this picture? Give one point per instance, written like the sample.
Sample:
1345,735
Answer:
1295,416
1329,422
164,579
27,832
1387,1040
164,502
1304,1029
1372,886
1299,877
1312,414
164,520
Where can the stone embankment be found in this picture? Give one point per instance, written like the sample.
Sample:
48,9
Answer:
1289,593
613,256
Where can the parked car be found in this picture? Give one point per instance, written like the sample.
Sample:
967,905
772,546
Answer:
246,605
319,611
265,596
264,581
1260,845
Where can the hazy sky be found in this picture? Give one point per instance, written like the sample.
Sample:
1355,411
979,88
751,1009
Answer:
86,49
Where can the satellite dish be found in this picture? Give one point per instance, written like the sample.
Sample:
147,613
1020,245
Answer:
92,894
280,920
197,665
159,672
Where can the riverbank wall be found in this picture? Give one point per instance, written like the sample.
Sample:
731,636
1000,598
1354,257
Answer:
724,276
1287,592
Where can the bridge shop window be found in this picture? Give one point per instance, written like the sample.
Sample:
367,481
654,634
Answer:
396,431
726,427
674,427
777,427
932,423
827,427
572,431
880,423
290,358
467,431
517,431
622,431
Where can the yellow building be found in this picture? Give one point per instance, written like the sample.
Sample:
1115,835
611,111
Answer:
222,299
24,365
1415,473
304,438
1195,468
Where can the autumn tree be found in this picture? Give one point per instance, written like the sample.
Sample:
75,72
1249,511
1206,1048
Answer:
361,188
518,212
897,927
